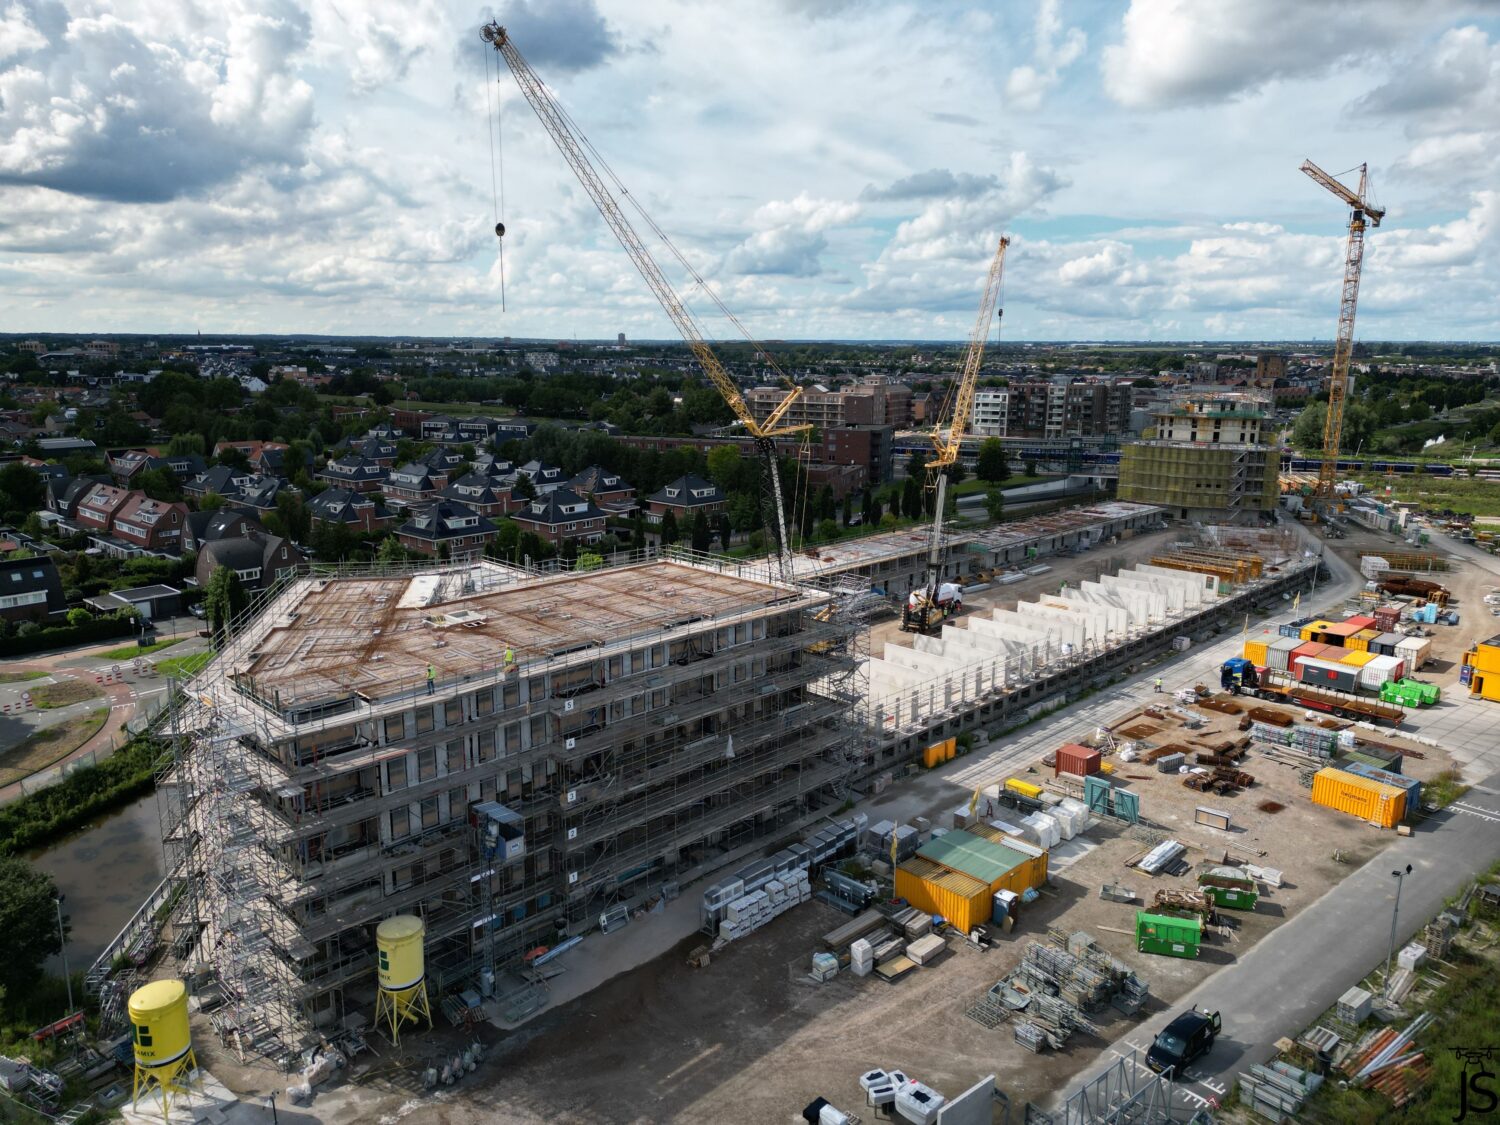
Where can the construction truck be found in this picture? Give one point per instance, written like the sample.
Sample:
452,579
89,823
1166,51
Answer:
1278,687
924,613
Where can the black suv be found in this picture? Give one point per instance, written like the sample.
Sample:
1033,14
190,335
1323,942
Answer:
1186,1038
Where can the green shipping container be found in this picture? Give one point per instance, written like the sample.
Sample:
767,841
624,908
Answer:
1168,936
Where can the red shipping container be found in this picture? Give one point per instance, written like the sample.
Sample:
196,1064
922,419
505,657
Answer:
1075,759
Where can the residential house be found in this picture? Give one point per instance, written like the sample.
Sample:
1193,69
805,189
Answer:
685,497
30,589
413,483
610,491
355,473
64,496
544,477
209,527
561,515
487,495
258,558
98,507
444,463
446,524
151,525
220,480
260,494
343,507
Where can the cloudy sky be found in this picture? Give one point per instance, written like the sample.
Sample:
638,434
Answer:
835,169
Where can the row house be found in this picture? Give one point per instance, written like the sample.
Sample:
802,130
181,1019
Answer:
610,491
685,497
343,508
99,506
414,484
543,476
460,529
208,527
562,515
355,473
151,525
487,495
221,480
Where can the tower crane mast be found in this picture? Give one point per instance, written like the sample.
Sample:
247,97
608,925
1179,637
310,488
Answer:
925,608
575,149
1362,213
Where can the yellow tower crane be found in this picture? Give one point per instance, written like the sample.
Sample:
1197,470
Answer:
596,178
926,608
1362,213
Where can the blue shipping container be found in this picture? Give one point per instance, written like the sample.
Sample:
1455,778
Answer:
1412,786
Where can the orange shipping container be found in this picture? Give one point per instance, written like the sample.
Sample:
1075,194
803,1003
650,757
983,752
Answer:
1380,804
933,756
950,750
963,900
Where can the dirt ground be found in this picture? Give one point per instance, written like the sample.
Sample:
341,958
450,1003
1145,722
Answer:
751,1038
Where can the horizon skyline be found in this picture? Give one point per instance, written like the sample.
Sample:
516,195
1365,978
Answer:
267,166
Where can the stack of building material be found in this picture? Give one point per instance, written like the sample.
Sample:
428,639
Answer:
1042,828
1277,1091
887,948
825,966
1312,741
1161,858
924,949
862,926
1030,1036
861,958
750,912
1229,887
1386,1061
918,925
1354,1006
918,1103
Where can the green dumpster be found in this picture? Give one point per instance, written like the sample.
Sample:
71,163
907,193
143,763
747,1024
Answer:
1167,935
1230,897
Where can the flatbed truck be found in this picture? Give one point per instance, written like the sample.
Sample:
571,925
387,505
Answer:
1280,687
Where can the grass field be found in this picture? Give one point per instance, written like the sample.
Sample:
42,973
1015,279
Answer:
183,667
39,750
1462,494
21,677
64,693
130,652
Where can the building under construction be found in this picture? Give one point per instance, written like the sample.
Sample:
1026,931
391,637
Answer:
508,756
1207,459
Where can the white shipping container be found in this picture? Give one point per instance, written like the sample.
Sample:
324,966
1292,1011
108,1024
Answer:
1416,651
1379,671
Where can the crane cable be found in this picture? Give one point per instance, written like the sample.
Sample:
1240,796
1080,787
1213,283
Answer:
497,177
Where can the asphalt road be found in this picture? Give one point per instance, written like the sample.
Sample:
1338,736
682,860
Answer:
1299,971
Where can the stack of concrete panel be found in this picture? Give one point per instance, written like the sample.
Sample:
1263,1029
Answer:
918,926
1079,812
1043,829
924,949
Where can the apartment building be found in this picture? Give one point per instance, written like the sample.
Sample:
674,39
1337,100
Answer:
352,748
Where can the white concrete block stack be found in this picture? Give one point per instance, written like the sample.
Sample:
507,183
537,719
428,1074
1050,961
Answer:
749,913
862,958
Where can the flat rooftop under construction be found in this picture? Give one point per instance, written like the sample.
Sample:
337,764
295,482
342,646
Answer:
378,636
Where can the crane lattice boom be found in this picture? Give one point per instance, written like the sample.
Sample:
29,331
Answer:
1362,213
575,149
948,446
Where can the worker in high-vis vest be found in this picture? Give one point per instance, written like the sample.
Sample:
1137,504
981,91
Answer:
431,676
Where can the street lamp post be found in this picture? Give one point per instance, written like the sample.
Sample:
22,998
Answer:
1395,912
62,938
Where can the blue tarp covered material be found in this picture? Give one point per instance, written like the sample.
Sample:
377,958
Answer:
1412,786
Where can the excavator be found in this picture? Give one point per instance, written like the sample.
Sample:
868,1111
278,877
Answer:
928,606
606,191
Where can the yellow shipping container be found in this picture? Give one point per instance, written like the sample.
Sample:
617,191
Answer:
1025,788
1255,652
962,900
1357,659
933,756
1024,876
1314,627
1360,642
1384,805
950,750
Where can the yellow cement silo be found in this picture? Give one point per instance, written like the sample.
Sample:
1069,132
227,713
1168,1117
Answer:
163,1044
402,974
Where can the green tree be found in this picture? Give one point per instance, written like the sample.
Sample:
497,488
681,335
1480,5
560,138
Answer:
28,925
993,464
669,532
21,489
956,473
223,600
184,444
78,615
589,561
702,536
828,530
390,550
295,517
160,484
724,466
725,531
994,504
1031,468
911,498
210,502
524,488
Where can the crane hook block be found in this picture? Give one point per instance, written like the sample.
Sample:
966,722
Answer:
499,230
